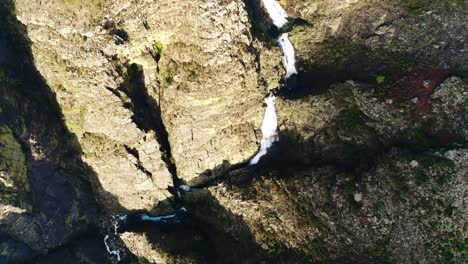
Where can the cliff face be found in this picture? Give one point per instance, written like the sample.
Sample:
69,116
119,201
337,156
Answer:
104,104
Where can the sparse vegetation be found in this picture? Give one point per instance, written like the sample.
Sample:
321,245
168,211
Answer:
157,50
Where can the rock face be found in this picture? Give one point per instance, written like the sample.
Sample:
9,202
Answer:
362,40
45,199
211,99
104,104
84,79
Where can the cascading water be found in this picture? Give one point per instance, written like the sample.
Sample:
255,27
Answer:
270,123
269,130
276,12
289,60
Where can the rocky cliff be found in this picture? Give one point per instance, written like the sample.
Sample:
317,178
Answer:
106,104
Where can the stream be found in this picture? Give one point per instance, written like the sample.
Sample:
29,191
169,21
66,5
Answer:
270,136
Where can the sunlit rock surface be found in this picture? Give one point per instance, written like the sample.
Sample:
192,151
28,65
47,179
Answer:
102,102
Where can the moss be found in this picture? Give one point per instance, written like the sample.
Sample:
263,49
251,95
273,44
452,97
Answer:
133,70
380,257
157,50
351,142
452,251
349,189
459,3
73,127
350,120
143,260
421,177
13,163
415,7
418,137
395,173
380,79
97,145
69,221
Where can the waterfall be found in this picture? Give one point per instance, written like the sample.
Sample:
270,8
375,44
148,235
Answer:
270,124
288,59
269,129
276,12
280,18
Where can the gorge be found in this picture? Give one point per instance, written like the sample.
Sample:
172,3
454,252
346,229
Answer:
133,131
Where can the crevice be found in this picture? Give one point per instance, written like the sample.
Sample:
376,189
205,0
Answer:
147,113
114,91
139,164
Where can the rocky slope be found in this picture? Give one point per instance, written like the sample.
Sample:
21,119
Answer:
104,104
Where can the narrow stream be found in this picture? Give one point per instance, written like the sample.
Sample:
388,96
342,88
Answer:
270,136
115,253
269,127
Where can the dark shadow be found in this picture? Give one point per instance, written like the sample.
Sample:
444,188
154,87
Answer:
212,234
338,60
88,248
147,112
18,252
63,208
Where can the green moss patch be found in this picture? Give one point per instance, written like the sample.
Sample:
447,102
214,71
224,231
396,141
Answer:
14,183
157,50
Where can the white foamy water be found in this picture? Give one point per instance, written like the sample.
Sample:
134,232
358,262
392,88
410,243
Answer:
289,60
276,12
146,217
115,253
116,219
186,188
269,129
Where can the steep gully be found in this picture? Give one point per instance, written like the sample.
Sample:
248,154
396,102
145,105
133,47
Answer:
269,128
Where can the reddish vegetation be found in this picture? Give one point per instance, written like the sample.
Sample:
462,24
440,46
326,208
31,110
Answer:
361,259
443,137
419,83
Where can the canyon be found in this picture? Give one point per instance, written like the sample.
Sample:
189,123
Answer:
108,107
